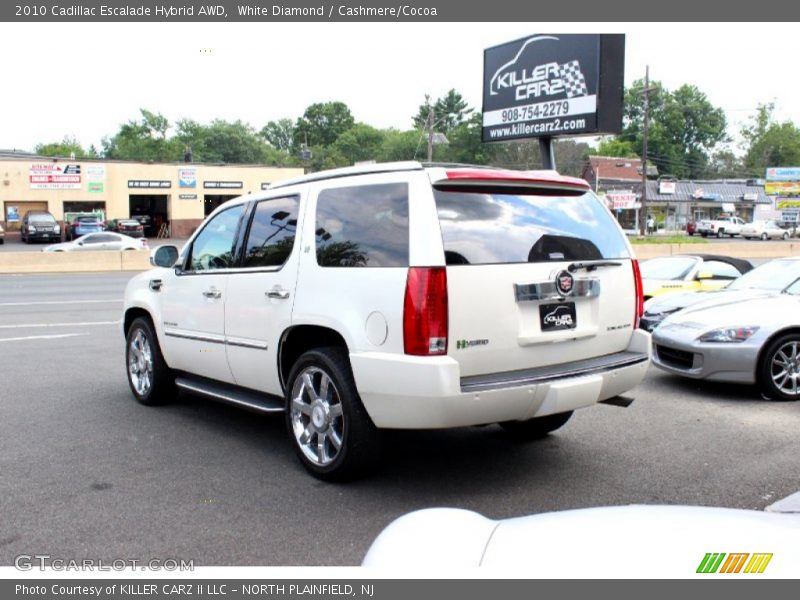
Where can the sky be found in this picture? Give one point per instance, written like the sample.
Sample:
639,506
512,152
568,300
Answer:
86,79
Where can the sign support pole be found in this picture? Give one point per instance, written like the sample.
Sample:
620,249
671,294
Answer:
546,150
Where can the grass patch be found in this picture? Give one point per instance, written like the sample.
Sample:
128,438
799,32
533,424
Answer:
671,239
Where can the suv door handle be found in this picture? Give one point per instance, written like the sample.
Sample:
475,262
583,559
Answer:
278,292
212,293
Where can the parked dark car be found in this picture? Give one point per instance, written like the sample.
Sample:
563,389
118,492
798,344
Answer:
130,227
84,224
146,222
40,225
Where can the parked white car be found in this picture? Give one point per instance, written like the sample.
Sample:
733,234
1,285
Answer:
99,241
764,230
395,296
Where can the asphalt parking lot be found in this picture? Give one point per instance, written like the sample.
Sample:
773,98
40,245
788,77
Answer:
87,472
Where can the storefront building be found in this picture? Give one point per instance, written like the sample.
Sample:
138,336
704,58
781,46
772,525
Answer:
173,198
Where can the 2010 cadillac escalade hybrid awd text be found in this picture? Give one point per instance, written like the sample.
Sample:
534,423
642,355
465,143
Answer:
394,296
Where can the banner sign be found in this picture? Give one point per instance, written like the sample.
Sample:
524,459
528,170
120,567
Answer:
553,85
54,176
187,177
786,188
622,200
783,174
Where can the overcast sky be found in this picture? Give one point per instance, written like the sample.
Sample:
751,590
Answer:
86,79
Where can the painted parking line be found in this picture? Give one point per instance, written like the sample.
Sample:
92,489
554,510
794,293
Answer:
69,324
41,337
57,302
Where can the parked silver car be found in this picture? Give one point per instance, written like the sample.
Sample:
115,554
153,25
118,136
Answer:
100,241
755,341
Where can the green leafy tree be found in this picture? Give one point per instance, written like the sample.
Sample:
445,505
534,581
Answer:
145,139
235,143
279,134
359,143
401,145
684,128
769,143
450,111
69,146
464,144
617,147
322,123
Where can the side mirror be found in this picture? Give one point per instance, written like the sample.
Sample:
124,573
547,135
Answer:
164,256
704,275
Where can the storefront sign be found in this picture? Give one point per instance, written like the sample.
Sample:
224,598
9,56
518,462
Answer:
187,196
95,178
54,176
783,174
95,187
791,215
553,85
222,185
786,188
667,187
187,177
621,200
149,183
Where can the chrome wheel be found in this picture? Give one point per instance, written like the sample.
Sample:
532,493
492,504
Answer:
785,368
317,418
140,363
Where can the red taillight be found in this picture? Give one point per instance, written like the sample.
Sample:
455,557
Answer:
637,283
425,311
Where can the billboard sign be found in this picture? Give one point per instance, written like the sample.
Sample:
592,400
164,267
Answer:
553,85
782,188
54,176
783,173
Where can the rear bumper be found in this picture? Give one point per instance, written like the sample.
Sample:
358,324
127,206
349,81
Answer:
408,392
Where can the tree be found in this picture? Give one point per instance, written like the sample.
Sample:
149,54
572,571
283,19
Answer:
359,143
724,164
684,128
143,140
279,134
322,123
769,143
401,145
618,147
69,146
235,142
450,111
464,144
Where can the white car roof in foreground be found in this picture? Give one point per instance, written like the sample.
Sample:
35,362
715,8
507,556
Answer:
622,541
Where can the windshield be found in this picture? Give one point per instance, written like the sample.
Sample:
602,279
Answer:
673,267
41,218
489,227
774,275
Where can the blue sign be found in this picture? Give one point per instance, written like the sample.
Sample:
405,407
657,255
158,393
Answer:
783,173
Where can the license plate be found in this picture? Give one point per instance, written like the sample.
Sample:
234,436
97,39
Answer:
555,317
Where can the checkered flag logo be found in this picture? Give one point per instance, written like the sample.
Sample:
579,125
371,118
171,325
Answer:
574,81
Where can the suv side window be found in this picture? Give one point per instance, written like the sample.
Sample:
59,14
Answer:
363,226
272,232
213,247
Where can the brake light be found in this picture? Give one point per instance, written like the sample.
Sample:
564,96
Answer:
425,319
637,283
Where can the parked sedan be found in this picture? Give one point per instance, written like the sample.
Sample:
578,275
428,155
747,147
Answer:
130,227
754,341
685,273
764,230
767,279
83,225
100,241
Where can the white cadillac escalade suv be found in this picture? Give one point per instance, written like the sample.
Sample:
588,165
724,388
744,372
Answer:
394,296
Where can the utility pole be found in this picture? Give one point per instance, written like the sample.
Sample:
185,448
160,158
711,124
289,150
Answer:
646,91
431,121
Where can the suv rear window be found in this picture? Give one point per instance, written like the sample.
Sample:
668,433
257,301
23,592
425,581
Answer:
480,228
363,226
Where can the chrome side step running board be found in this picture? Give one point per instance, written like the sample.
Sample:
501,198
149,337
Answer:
230,394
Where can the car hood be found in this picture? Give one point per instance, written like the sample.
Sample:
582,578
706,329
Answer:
766,311
673,302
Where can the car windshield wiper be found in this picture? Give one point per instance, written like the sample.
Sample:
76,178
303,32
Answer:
591,266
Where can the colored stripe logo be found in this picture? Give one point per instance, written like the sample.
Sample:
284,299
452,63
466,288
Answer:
736,562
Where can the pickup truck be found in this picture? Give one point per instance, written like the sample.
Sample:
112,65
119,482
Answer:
724,226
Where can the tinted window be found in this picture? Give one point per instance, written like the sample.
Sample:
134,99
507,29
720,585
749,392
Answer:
488,228
213,247
363,226
272,233
720,270
99,238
